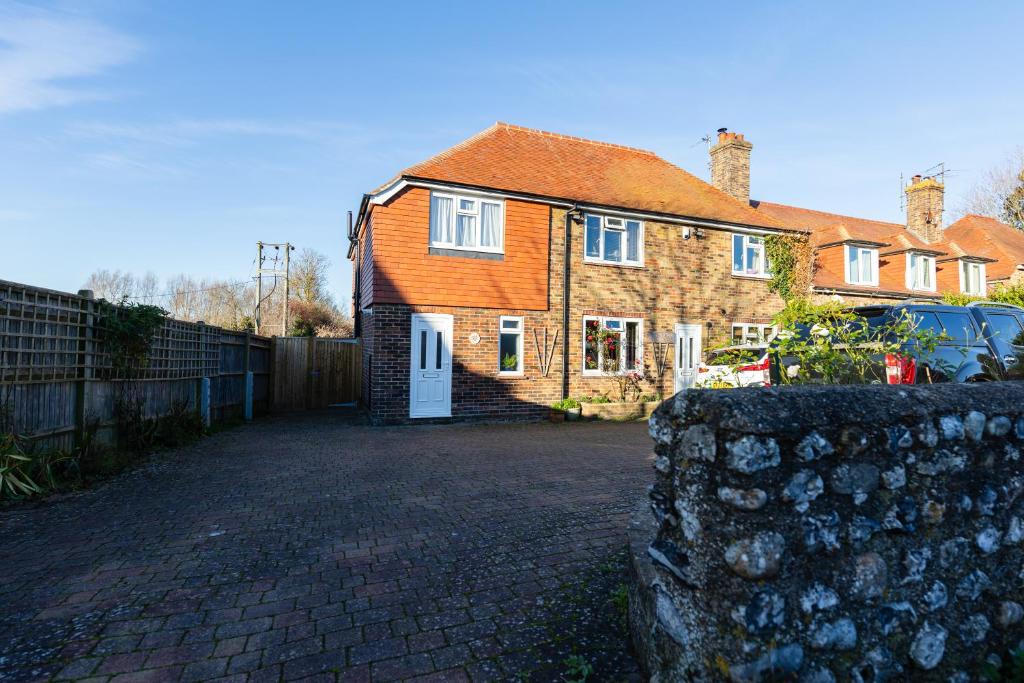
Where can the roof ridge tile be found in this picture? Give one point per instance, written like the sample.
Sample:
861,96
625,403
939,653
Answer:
574,138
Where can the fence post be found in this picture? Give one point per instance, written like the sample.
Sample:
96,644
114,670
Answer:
85,362
310,371
247,400
204,400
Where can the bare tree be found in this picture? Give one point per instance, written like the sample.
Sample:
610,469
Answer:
990,196
111,285
308,280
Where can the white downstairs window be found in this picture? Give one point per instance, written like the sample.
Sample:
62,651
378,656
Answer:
612,345
972,278
510,345
466,222
861,265
619,241
920,272
751,333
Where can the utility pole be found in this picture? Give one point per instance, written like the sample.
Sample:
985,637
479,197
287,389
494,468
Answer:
259,283
261,271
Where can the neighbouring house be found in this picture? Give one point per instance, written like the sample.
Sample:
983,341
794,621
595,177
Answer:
490,278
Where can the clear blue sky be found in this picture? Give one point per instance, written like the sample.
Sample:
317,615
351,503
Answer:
170,136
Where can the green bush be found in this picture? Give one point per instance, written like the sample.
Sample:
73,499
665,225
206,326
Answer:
566,404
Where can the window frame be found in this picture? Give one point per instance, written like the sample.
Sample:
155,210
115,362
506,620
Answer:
872,252
913,256
601,260
965,280
760,327
520,343
456,198
765,271
623,321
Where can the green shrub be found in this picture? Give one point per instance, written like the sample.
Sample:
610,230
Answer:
566,404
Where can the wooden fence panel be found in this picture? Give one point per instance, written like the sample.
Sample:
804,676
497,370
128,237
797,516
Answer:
56,377
311,373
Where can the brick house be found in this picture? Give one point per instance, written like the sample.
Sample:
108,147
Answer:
481,273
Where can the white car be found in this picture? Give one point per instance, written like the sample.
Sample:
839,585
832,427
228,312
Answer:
744,365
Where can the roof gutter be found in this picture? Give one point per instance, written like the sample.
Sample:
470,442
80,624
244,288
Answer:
399,184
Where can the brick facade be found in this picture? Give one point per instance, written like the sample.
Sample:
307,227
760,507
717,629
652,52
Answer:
730,165
924,209
681,281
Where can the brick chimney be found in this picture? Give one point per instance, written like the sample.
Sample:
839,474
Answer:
924,208
730,165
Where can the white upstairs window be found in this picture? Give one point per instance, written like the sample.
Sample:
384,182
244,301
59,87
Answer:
466,222
861,265
920,272
749,257
618,241
972,278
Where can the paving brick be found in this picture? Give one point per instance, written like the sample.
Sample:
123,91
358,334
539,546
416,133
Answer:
467,549
401,667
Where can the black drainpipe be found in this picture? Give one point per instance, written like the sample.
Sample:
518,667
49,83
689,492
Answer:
571,215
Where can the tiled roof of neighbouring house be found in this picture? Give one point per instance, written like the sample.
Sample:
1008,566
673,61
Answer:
987,237
516,159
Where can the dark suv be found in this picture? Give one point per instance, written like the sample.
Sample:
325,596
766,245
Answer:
980,342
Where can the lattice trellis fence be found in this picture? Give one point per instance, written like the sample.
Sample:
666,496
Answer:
53,361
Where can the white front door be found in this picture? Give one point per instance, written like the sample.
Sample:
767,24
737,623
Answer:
430,366
688,350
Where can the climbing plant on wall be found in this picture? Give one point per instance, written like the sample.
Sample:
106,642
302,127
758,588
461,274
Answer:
791,262
127,333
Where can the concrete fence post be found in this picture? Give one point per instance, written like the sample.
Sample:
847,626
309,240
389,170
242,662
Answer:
204,400
248,396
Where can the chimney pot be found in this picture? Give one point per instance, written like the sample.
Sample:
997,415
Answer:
916,179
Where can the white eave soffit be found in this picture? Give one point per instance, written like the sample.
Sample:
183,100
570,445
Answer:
389,191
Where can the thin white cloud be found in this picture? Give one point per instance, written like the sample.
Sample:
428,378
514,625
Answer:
191,131
45,54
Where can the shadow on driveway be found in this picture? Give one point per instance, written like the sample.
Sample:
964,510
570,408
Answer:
307,546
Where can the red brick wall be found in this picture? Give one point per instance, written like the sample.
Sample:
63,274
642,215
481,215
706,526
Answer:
682,281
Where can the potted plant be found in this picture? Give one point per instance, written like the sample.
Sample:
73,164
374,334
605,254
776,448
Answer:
572,408
556,413
509,362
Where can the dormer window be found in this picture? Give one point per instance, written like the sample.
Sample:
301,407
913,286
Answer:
920,272
467,223
861,265
972,278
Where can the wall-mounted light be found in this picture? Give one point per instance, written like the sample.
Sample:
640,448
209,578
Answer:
686,232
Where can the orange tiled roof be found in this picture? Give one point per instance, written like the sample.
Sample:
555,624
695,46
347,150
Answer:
516,159
986,237
828,228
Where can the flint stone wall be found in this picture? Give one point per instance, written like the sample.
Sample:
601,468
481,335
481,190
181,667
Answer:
862,533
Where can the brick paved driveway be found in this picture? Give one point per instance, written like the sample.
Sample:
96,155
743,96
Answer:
310,547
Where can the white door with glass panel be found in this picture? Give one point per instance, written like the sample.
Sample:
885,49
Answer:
430,381
688,350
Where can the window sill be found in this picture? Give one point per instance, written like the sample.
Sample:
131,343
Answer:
862,284
595,374
747,276
466,253
595,262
